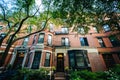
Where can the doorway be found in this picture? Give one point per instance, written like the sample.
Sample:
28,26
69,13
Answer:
60,62
19,60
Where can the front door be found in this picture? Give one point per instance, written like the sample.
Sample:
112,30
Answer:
19,60
60,62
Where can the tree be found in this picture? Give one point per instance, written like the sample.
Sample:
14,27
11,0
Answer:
82,14
22,12
72,13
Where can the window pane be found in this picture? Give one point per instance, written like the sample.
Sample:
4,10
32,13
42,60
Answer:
47,60
25,42
36,60
80,59
109,61
83,41
81,30
64,30
49,40
41,38
65,42
86,42
72,61
106,27
100,40
95,29
1,27
2,35
51,27
114,41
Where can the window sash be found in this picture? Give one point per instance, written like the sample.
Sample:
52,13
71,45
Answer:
65,41
36,60
78,59
106,27
114,41
84,41
49,39
109,61
25,42
47,60
81,30
95,29
101,42
41,38
64,30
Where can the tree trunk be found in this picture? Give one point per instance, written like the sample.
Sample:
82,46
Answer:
7,50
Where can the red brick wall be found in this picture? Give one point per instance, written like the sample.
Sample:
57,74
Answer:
116,58
95,62
43,58
66,61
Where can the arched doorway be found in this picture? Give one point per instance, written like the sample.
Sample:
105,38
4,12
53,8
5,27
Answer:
60,62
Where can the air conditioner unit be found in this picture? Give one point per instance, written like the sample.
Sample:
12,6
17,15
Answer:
39,46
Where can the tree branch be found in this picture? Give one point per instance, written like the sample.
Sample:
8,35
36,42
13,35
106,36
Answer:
47,19
31,33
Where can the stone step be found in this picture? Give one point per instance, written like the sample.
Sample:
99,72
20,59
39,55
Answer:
60,74
59,78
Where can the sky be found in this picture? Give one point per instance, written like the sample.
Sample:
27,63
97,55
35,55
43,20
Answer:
9,3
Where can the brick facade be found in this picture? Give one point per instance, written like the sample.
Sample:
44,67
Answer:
72,39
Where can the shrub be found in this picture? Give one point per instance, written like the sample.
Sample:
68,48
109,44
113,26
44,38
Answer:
112,74
29,74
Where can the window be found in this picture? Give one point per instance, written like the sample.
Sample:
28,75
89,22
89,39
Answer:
81,30
2,35
115,26
51,27
36,60
84,41
106,27
49,40
64,30
47,60
25,42
1,27
43,24
100,40
114,41
78,59
109,61
34,39
95,29
65,42
118,55
71,59
19,58
41,38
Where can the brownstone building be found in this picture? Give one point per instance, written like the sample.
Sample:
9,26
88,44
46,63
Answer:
61,48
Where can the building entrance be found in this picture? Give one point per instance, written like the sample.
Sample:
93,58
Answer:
60,62
19,59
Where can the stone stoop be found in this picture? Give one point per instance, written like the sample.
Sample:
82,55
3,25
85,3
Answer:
59,76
